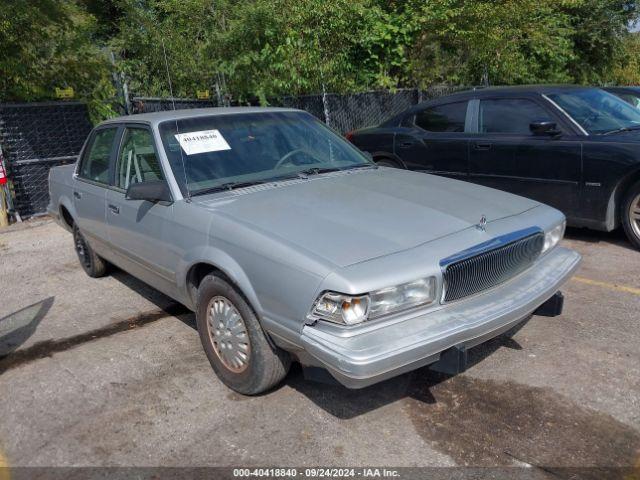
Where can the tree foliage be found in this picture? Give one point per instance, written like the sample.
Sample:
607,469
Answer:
265,48
47,44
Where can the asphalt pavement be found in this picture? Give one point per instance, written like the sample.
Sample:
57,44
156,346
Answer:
109,372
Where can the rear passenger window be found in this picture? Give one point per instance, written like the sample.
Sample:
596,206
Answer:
137,160
95,162
443,118
510,115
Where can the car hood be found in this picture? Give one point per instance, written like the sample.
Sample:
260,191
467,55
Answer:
354,216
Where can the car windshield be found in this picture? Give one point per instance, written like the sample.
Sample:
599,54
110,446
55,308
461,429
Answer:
597,111
631,98
230,150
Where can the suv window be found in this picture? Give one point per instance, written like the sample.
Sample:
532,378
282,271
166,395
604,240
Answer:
137,160
443,118
510,115
95,162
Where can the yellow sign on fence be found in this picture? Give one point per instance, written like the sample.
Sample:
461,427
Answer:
202,94
65,92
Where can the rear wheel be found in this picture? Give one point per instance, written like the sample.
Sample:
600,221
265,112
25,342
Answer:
91,263
232,338
631,215
387,162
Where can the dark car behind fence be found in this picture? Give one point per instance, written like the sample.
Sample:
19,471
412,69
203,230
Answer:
37,136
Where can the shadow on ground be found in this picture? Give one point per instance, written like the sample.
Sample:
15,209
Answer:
21,325
162,301
616,237
345,404
17,327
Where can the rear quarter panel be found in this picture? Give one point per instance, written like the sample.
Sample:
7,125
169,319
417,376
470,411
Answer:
61,182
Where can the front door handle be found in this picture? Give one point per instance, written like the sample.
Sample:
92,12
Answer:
482,146
115,210
77,195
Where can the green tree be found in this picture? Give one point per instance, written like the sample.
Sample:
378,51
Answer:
47,44
183,29
522,41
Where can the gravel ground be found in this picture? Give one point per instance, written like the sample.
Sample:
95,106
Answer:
110,372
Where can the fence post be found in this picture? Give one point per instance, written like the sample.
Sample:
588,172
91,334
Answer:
121,84
325,106
4,219
4,194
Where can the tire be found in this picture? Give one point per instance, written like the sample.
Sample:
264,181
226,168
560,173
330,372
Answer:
239,352
387,162
631,215
91,263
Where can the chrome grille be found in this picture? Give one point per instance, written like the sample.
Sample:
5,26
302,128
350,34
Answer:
489,264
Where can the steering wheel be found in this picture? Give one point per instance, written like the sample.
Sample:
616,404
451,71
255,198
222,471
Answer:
287,156
592,117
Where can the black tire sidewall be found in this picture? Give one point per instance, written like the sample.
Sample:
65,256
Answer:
93,269
251,380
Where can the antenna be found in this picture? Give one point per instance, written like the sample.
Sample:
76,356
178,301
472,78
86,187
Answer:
173,102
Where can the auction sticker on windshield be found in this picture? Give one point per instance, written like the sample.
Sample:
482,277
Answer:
201,142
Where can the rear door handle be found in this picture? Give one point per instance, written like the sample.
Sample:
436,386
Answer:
482,146
77,195
407,144
114,209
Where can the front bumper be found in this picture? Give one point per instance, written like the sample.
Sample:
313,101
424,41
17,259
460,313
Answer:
373,352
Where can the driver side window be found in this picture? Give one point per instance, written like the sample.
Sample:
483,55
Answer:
137,159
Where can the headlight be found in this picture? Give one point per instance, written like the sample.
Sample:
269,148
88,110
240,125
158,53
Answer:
553,236
344,309
350,310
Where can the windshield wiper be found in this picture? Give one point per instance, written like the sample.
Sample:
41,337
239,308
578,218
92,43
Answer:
227,186
318,170
364,165
621,130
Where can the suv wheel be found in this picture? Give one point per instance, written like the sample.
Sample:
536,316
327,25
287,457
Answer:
234,342
631,215
91,263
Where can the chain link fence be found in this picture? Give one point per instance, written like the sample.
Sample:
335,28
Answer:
343,113
155,104
37,136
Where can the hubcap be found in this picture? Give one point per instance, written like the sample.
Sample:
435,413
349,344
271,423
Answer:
82,251
634,215
228,334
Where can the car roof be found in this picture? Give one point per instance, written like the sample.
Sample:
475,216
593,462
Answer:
480,92
153,118
631,89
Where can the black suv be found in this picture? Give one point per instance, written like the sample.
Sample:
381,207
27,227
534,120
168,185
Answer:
575,148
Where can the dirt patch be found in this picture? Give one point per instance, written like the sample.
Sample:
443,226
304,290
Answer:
489,423
49,347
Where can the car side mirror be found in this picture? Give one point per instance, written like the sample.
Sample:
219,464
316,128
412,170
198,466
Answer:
544,128
155,191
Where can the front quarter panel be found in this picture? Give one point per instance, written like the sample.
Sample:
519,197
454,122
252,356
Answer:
278,281
606,164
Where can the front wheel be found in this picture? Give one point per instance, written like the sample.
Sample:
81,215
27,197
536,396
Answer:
631,215
234,342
